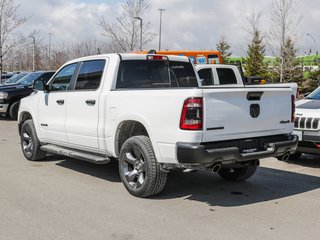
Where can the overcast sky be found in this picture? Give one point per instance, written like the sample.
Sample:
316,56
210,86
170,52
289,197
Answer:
187,24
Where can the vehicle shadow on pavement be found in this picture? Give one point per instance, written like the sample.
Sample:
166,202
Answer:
266,185
4,118
107,172
307,160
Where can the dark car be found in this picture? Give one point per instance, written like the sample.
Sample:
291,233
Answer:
5,76
15,78
11,94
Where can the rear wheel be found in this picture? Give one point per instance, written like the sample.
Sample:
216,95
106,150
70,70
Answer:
30,143
13,110
239,173
139,170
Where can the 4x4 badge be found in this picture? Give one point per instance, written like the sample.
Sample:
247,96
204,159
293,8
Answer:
254,110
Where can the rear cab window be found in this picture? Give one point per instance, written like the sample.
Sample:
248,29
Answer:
155,74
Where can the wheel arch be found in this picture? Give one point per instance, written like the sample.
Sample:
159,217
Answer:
24,116
130,128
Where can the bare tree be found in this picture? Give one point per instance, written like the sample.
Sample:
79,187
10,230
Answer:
125,31
9,22
285,22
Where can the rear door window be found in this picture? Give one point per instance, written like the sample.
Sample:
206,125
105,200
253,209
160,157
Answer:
155,74
206,76
90,75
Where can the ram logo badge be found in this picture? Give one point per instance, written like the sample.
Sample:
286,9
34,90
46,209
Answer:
254,110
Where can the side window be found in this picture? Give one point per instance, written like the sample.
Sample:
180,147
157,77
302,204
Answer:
61,81
206,76
46,76
90,74
226,76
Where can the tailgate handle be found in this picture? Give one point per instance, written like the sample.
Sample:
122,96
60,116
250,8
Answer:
254,96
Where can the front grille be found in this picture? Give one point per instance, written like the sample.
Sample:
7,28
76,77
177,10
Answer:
306,123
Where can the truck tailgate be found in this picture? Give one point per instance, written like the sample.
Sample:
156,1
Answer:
236,113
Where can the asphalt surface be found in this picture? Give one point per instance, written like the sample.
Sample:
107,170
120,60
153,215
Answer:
69,199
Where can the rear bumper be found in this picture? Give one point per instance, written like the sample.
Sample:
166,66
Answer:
210,154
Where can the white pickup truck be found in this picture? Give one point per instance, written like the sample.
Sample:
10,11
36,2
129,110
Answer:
152,114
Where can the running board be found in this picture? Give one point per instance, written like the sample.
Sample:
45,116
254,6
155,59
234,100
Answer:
75,154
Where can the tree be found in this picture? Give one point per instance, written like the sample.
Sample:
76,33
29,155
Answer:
223,47
314,80
284,27
254,63
9,22
291,72
255,54
125,32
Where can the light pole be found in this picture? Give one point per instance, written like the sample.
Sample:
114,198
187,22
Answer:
49,51
161,10
314,41
140,19
33,51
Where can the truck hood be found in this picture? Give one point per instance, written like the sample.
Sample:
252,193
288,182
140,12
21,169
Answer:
11,87
307,108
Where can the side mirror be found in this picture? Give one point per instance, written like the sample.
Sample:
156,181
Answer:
40,85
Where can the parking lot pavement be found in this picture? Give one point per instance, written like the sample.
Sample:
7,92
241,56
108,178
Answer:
68,199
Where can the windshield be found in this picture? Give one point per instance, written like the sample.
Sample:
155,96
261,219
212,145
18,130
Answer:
315,95
28,79
15,78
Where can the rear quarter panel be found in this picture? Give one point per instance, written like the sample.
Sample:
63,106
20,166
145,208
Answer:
159,111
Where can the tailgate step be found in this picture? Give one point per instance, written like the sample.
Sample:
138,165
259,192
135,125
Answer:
50,148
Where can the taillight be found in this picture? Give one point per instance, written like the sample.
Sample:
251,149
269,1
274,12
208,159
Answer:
292,108
192,114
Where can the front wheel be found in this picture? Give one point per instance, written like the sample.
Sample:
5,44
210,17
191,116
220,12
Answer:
139,170
30,143
13,111
240,173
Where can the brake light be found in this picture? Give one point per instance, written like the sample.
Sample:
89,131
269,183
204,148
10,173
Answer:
292,108
192,114
157,57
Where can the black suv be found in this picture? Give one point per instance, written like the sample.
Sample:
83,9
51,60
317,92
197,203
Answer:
10,94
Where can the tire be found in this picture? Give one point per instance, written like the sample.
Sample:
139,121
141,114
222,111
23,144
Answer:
13,110
30,143
139,170
239,174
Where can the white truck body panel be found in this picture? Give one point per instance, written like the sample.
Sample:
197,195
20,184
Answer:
241,124
78,125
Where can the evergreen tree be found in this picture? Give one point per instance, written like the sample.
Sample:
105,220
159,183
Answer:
223,47
287,65
254,65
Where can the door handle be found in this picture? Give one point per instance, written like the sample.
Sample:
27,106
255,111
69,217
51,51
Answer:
91,102
60,101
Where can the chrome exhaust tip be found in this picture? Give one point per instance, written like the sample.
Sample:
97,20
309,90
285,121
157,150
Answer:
216,168
285,157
